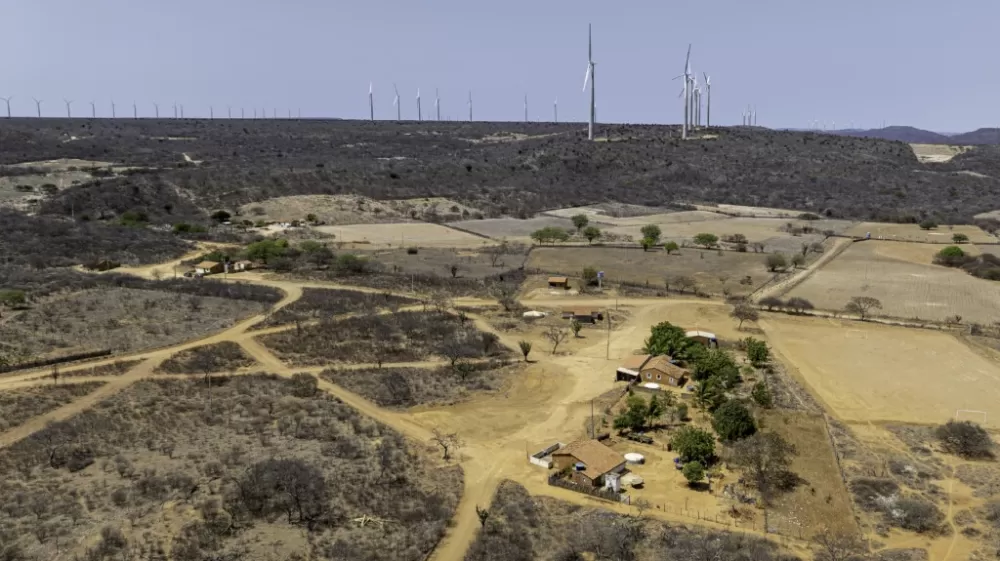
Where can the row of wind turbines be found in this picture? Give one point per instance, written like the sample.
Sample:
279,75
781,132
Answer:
177,107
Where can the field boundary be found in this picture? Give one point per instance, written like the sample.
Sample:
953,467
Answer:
782,287
460,229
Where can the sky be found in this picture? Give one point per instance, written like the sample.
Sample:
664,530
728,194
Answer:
922,63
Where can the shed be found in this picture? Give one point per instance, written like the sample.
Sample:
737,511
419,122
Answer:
583,316
208,268
629,370
706,338
598,461
661,370
243,265
559,282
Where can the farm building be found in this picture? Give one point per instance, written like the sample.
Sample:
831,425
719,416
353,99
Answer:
208,268
559,282
704,337
629,370
583,316
237,266
591,464
660,370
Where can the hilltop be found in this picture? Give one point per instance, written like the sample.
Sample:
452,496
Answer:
183,170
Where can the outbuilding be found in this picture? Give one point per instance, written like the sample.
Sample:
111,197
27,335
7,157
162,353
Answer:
629,370
208,268
592,464
559,282
660,370
583,316
243,265
706,338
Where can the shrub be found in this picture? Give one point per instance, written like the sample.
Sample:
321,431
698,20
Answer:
733,421
671,247
799,305
694,472
411,251
761,395
914,514
965,438
757,352
776,262
863,306
651,232
694,445
550,234
706,240
591,233
668,339
589,276
960,238
770,302
580,221
221,216
951,256
928,224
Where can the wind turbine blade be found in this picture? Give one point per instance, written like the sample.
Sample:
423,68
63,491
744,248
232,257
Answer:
687,61
371,86
586,78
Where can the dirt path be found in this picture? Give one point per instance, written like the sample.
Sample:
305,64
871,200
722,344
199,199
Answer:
782,287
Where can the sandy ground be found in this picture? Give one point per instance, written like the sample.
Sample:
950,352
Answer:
901,276
869,372
913,232
417,234
936,153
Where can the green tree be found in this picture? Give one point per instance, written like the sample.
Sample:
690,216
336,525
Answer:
651,231
634,416
647,243
221,216
694,472
671,247
694,445
761,395
928,224
575,326
951,256
550,234
580,221
960,238
705,240
757,352
654,409
525,347
350,263
863,306
591,233
589,276
133,218
775,262
267,250
733,421
666,338
717,364
708,396
310,217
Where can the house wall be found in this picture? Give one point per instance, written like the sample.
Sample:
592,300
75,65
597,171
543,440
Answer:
580,479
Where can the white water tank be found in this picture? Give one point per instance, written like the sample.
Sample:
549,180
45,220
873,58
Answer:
635,458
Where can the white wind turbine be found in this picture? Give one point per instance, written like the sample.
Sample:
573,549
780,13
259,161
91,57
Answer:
555,110
93,110
38,107
686,93
437,103
7,101
112,109
156,108
470,106
399,110
708,105
135,110
590,77
525,108
69,102
420,116
371,101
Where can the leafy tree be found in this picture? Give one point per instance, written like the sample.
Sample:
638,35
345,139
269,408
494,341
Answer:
666,338
706,240
770,302
267,250
928,224
757,352
634,416
589,276
965,438
647,243
525,347
133,218
221,216
798,305
580,221
951,256
960,238
575,326
316,253
863,306
694,445
764,459
744,311
717,364
655,409
761,395
351,263
708,395
652,232
694,472
550,234
671,247
591,233
733,421
311,217
775,262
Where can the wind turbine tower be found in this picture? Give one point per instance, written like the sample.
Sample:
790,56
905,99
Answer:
525,108
135,110
708,105
420,115
371,101
470,106
112,109
211,112
686,93
590,77
69,102
437,103
555,110
7,101
395,101
38,107
93,110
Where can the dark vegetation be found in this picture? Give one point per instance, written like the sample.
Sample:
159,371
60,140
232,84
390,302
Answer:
965,439
116,368
17,406
272,469
318,303
378,338
519,527
984,266
407,387
828,175
226,356
378,277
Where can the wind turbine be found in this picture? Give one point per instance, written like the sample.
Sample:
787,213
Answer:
175,110
112,109
241,113
590,77
69,102
437,103
38,107
555,109
371,101
156,107
708,105
211,112
420,116
7,101
93,110
525,108
229,111
135,110
182,111
686,93
395,101
470,106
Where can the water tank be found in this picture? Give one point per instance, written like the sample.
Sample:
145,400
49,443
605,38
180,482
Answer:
634,458
580,466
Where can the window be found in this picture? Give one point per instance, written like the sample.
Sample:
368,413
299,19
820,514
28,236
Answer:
649,375
657,376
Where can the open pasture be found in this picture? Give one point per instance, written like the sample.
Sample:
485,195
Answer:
513,229
405,234
913,232
902,277
871,372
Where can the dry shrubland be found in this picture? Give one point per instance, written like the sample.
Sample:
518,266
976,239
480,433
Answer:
226,356
17,406
380,278
318,303
116,368
376,338
257,467
519,527
407,387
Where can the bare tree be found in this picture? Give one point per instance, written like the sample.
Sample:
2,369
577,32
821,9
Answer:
496,252
506,295
454,269
744,311
555,335
683,282
764,458
833,546
863,306
449,442
457,347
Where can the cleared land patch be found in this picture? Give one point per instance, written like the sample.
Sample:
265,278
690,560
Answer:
407,234
514,229
937,153
160,468
17,406
226,356
892,272
870,372
913,232
318,303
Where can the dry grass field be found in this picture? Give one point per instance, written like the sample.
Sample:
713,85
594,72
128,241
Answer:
937,153
407,234
913,232
438,261
755,211
902,277
707,267
605,212
870,372
353,209
513,229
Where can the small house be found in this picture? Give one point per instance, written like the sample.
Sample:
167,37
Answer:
559,282
706,338
660,370
591,464
208,268
237,266
629,370
583,316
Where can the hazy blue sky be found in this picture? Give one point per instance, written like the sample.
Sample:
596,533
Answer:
926,63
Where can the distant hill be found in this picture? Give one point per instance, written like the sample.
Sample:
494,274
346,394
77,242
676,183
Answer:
978,136
910,135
